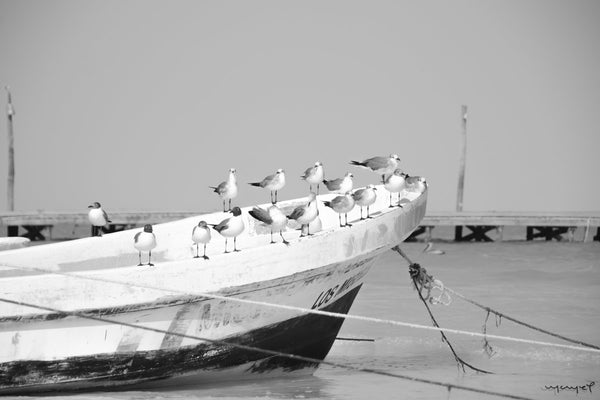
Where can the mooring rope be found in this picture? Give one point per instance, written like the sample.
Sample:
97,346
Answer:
420,277
427,280
519,322
449,386
316,312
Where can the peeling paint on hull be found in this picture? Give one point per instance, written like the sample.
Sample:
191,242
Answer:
308,336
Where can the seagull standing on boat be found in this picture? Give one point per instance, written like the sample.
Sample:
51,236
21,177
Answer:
145,241
395,183
273,183
306,213
365,198
416,184
231,227
340,185
342,205
314,175
98,218
381,165
273,217
227,190
201,234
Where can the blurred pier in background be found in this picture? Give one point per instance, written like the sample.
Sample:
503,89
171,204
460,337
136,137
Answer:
466,226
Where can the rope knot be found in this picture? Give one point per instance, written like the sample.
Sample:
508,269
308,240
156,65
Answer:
424,281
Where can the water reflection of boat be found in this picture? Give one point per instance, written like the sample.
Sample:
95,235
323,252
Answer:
82,314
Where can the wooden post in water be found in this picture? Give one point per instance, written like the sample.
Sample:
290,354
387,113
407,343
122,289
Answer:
461,171
10,189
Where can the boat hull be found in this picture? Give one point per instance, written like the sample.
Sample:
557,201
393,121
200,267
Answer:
309,336
187,339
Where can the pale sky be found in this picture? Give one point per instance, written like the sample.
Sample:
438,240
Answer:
141,105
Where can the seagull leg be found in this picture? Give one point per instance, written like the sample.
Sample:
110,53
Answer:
361,217
368,213
197,256
282,238
340,217
235,244
204,256
347,224
272,241
223,205
383,178
229,204
275,197
140,257
150,258
226,246
391,200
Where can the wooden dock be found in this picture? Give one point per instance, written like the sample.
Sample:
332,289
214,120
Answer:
468,226
475,226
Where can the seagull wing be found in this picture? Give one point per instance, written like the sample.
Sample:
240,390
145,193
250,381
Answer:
309,171
298,212
377,162
105,216
359,194
222,188
268,180
261,215
136,237
222,225
333,184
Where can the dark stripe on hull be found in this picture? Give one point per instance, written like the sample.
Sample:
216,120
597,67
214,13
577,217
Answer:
308,336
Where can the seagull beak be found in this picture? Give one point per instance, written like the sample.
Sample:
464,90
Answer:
90,206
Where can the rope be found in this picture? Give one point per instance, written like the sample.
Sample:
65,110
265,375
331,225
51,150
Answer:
519,322
318,312
449,386
414,274
428,278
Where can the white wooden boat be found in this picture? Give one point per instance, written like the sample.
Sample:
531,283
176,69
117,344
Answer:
186,337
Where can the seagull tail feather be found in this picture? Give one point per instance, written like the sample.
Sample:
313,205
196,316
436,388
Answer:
360,164
254,184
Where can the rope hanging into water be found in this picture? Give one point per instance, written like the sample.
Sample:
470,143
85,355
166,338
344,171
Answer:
449,386
428,283
311,311
421,279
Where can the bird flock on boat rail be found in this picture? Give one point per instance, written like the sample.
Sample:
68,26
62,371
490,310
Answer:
306,215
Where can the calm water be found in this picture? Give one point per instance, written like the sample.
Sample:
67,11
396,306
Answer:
553,285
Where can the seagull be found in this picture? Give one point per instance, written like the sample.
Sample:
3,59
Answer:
340,185
273,183
381,165
273,217
145,241
430,250
98,218
314,175
395,183
306,213
201,234
342,205
231,227
228,189
416,184
365,198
